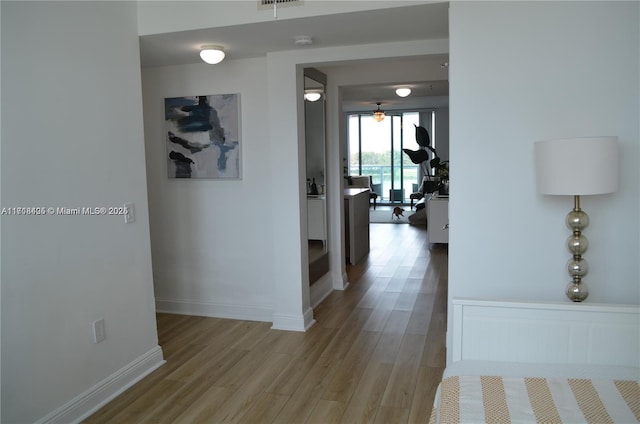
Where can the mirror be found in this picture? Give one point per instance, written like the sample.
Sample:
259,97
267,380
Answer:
314,112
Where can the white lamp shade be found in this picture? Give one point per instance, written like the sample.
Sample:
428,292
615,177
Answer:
212,54
577,166
403,91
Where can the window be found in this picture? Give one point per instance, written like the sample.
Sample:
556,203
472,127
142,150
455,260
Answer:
375,148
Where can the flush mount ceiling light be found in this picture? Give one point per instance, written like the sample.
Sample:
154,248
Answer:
403,91
378,115
312,95
212,54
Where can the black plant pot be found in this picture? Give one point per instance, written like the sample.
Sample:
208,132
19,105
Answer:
442,188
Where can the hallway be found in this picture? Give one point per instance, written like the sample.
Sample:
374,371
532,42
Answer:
376,353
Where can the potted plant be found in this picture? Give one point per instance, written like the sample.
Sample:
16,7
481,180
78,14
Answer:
421,156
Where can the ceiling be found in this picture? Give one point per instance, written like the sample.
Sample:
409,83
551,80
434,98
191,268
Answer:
396,24
365,97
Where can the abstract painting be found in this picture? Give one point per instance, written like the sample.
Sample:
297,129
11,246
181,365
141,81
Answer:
203,136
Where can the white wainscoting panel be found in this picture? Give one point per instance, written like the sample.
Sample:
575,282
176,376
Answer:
546,332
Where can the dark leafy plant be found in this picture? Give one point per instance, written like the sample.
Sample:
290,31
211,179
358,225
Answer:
420,157
422,136
417,156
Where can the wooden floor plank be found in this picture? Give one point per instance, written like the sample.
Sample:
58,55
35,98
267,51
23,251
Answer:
266,408
421,314
427,383
364,403
287,382
212,360
326,412
387,414
402,383
304,399
205,406
147,403
249,392
375,355
350,370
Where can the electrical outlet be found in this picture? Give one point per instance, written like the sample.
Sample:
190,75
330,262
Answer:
98,331
130,215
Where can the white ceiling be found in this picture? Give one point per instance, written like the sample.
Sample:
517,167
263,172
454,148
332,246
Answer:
426,21
364,97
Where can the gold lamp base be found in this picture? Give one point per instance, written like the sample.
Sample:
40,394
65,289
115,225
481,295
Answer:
577,292
577,220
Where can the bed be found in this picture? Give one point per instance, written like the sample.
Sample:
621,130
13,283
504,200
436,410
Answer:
516,362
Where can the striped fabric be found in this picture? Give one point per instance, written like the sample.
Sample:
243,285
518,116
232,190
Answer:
504,400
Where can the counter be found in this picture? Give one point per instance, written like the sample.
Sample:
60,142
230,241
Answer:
356,221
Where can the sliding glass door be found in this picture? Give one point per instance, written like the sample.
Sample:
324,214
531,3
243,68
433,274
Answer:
375,149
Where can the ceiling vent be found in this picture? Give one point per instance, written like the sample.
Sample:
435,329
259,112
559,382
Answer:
270,4
274,4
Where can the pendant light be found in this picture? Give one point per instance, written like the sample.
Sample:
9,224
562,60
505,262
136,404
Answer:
378,115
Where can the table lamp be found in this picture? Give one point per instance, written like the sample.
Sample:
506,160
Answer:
577,167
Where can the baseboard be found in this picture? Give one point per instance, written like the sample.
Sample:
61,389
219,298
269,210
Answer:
88,402
294,322
320,290
344,283
215,310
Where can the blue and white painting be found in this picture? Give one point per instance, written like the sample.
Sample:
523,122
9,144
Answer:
203,136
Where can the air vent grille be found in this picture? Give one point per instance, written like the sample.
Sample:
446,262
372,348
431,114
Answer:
270,2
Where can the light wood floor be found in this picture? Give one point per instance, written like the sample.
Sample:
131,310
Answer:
375,355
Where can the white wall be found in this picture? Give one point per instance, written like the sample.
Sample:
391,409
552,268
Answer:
72,137
212,241
249,264
156,17
527,71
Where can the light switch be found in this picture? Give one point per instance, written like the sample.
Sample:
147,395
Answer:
130,213
98,331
